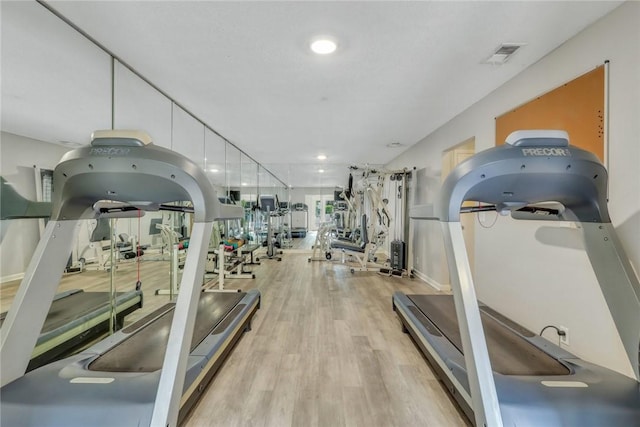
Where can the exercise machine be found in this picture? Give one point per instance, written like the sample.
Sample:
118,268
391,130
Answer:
101,237
500,373
286,239
229,257
274,230
322,246
75,318
397,246
348,204
153,371
363,252
340,215
299,220
373,228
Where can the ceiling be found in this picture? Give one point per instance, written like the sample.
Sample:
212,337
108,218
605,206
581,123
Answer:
401,70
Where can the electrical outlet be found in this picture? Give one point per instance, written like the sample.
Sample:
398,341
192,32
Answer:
564,339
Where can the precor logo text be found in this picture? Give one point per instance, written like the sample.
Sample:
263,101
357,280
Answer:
110,151
557,152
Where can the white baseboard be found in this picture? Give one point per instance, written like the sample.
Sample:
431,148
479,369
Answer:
431,282
20,276
11,277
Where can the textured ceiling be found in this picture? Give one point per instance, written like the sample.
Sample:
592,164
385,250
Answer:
402,69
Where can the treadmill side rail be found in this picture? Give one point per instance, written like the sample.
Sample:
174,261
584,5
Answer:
618,283
30,307
476,355
167,403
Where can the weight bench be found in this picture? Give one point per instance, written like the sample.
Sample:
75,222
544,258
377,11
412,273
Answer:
362,251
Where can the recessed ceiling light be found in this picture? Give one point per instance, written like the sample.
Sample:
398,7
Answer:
321,170
323,46
321,157
244,184
213,170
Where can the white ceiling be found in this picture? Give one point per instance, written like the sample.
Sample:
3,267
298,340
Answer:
402,69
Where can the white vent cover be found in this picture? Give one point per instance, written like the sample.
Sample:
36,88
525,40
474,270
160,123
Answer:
503,53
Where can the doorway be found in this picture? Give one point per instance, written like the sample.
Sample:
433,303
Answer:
320,209
450,159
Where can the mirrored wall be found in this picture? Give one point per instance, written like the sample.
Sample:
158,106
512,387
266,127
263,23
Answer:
113,261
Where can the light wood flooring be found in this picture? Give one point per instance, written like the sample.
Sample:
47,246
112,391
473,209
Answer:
325,349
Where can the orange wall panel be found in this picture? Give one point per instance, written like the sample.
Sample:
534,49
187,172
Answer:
576,107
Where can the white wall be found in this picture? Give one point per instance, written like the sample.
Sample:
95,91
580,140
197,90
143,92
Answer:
533,283
298,193
20,236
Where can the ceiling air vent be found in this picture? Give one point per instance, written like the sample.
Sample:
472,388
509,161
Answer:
503,53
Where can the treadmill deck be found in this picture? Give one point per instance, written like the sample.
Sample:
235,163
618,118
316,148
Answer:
510,354
153,337
71,307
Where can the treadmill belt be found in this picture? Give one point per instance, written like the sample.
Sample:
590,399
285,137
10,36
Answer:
144,350
73,306
509,353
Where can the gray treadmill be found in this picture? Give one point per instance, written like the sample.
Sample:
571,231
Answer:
149,373
498,371
76,318
299,228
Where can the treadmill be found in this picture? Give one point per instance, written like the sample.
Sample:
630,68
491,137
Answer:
299,220
153,371
499,372
77,318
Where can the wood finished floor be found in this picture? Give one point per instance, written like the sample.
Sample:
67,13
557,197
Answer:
325,349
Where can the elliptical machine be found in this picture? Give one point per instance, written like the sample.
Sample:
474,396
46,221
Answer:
268,206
